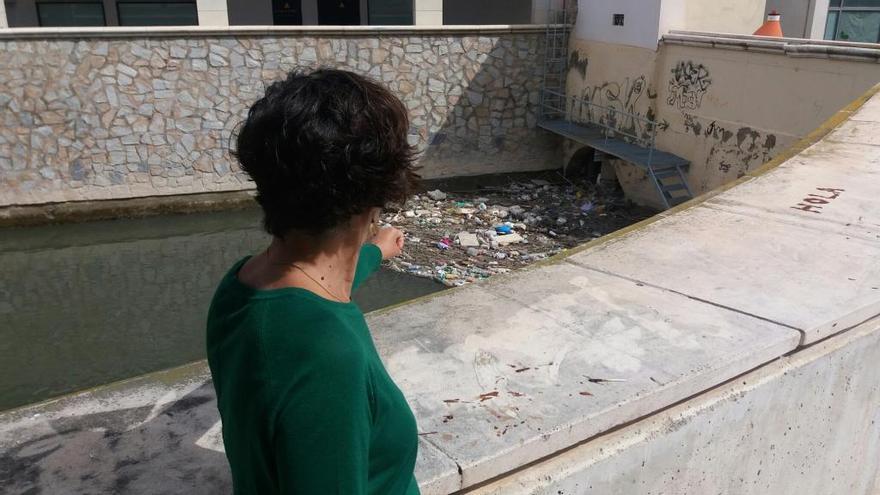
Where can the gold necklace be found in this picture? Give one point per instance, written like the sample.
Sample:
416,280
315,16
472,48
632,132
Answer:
328,291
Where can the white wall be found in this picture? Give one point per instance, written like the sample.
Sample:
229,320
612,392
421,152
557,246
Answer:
647,20
428,12
720,16
3,22
673,15
212,12
820,17
724,16
641,22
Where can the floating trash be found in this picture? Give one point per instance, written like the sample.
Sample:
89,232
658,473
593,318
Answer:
460,238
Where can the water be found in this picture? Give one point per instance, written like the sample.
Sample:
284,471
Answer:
86,304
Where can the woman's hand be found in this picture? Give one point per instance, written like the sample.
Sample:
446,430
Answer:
390,242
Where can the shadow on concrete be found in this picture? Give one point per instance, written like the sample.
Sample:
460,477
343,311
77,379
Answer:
136,451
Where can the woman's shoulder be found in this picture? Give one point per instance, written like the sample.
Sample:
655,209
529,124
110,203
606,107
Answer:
296,326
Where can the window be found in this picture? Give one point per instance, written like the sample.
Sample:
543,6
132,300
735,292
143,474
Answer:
853,20
339,12
618,20
157,14
391,12
287,12
57,14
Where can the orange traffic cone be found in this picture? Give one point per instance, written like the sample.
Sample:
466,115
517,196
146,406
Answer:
773,26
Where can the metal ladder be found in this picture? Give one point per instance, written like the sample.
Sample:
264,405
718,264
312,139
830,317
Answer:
675,189
556,40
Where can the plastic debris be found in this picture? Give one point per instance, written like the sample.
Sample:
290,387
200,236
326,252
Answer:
466,240
459,238
511,238
516,211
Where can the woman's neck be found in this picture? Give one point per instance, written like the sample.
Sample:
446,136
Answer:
325,266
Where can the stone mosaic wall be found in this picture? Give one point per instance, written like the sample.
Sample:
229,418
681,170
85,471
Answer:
112,118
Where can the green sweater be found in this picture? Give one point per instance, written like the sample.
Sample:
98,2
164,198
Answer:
306,404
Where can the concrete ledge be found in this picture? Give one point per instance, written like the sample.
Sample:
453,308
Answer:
866,52
791,41
289,31
807,423
88,211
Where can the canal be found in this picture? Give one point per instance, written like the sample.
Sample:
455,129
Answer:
90,303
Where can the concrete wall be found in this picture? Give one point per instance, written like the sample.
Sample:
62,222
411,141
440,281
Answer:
806,424
646,20
212,12
727,111
723,16
754,105
91,117
428,12
641,22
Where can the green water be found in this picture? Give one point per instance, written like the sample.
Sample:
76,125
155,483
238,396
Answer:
87,304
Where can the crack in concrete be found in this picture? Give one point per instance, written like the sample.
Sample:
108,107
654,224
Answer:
695,298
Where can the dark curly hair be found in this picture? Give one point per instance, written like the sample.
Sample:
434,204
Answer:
324,146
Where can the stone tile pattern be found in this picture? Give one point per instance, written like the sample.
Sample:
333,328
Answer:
114,118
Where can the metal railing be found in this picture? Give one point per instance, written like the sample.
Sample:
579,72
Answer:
606,119
613,123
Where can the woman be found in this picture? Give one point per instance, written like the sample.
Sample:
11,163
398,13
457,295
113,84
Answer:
306,404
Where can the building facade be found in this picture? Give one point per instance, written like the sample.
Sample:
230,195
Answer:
68,13
641,23
855,21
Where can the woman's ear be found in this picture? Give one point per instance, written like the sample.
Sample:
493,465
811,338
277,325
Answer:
375,219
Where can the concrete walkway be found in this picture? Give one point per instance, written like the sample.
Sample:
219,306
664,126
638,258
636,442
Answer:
504,373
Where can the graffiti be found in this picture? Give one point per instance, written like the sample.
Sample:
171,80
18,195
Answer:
716,131
615,105
732,151
739,150
814,203
687,86
662,124
691,124
579,64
